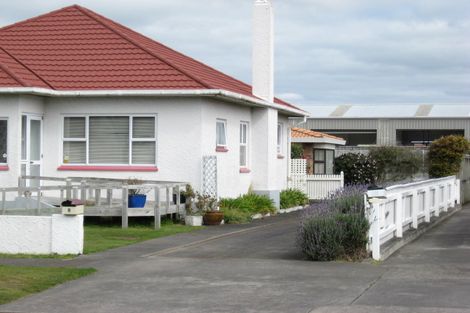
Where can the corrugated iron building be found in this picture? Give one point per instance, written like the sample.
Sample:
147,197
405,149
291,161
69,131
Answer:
403,125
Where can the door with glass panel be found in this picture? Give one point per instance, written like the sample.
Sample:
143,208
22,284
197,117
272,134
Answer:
31,145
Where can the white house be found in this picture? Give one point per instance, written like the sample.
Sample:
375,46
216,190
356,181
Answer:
81,95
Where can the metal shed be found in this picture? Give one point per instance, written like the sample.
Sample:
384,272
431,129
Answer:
402,125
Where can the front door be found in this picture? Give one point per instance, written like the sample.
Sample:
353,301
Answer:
31,145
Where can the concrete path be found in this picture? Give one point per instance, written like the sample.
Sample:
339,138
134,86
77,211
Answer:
256,268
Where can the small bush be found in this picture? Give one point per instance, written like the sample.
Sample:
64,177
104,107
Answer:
354,234
321,239
292,197
357,168
446,155
396,163
296,151
245,206
336,227
236,216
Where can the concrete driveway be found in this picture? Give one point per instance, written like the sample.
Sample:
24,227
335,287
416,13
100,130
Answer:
257,268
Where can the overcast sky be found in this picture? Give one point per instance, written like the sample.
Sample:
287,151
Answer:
327,51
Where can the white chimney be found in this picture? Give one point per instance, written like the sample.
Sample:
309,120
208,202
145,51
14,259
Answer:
263,50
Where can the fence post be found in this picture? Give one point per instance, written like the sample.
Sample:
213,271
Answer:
167,199
457,191
445,201
68,191
125,220
374,232
178,200
20,184
38,204
342,179
109,197
414,209
157,215
399,215
427,205
83,191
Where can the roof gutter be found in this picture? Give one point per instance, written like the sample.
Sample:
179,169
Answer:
219,93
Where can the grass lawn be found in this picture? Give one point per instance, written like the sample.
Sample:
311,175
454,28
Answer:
17,282
100,238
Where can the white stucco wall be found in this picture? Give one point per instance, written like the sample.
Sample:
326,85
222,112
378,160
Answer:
41,234
231,183
186,130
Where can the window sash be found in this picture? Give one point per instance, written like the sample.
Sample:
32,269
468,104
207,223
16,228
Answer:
144,141
279,137
243,144
3,141
221,133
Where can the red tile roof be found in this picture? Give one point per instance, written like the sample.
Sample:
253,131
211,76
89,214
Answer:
306,133
77,49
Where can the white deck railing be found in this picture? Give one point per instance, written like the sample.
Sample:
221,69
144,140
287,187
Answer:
406,206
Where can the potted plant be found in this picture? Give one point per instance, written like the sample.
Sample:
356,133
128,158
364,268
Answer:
192,218
209,206
137,196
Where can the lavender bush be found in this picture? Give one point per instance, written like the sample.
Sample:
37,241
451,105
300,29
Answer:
335,227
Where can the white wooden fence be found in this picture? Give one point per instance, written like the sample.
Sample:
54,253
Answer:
315,186
406,206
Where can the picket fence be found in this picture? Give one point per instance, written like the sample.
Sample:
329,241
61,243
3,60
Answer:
315,186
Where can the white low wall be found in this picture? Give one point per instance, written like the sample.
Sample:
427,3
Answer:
56,234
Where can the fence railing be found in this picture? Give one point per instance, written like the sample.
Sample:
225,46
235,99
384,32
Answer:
103,197
321,186
403,207
315,186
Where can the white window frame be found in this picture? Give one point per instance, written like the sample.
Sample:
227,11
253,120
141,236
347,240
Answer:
245,144
280,133
224,122
6,152
87,138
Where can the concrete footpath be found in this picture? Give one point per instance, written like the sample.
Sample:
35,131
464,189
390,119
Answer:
257,268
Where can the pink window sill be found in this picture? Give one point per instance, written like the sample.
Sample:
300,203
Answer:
221,149
245,170
4,168
124,168
280,156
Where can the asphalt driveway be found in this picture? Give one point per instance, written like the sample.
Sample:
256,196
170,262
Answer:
257,268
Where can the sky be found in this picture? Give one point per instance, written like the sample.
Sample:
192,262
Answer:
327,51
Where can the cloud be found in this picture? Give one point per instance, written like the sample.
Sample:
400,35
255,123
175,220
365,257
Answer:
327,51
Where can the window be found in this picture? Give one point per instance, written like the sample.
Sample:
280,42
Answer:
221,133
323,161
123,140
279,138
243,144
3,141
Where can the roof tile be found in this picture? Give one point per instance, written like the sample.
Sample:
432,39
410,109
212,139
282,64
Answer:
77,49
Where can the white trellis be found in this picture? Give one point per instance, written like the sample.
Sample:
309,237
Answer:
209,175
298,174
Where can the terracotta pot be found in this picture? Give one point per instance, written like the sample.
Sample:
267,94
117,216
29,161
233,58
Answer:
213,218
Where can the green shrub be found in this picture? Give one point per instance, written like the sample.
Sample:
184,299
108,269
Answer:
354,239
292,197
321,238
236,216
357,168
446,155
296,151
336,227
246,206
396,163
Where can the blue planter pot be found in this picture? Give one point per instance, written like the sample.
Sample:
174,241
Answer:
137,201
